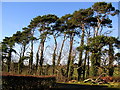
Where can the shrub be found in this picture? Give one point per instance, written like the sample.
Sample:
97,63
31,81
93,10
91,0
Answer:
27,82
107,79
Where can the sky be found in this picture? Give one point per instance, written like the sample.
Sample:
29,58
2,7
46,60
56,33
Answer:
16,15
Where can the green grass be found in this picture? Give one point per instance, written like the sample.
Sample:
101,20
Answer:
110,84
114,85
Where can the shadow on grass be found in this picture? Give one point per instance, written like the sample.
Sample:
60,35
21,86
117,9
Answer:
62,86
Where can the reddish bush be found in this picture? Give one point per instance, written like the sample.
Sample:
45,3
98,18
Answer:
27,82
107,79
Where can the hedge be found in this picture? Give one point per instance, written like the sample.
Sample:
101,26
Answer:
27,82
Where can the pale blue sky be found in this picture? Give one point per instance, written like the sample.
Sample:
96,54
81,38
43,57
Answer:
16,15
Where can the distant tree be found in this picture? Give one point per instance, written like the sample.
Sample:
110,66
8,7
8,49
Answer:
55,33
61,49
117,58
31,29
80,19
111,41
43,23
60,27
7,49
70,31
102,11
99,42
22,38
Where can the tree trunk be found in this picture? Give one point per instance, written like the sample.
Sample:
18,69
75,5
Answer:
95,59
22,59
37,58
71,71
80,54
61,49
31,58
111,59
88,68
98,27
41,55
9,60
21,65
87,54
93,65
69,63
54,53
31,54
84,66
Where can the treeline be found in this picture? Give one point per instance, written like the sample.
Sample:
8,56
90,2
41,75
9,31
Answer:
86,27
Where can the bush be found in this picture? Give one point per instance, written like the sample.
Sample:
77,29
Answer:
27,82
